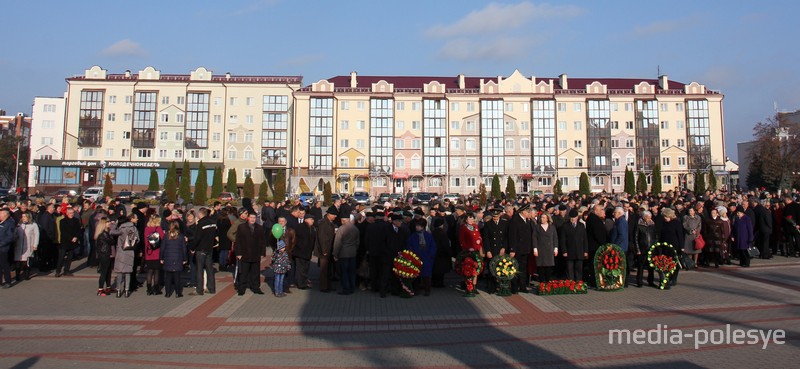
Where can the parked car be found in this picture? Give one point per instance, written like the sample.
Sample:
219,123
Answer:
93,193
361,197
307,198
453,197
335,196
396,197
61,194
384,197
154,195
126,196
423,198
227,196
3,194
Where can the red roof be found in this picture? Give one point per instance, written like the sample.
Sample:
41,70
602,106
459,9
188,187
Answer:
186,78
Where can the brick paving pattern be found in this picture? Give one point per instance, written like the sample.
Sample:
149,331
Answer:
60,323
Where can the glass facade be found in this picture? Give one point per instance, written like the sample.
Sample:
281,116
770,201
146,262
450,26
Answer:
492,148
647,135
274,126
698,134
196,136
320,146
599,136
144,120
381,135
434,137
544,137
90,123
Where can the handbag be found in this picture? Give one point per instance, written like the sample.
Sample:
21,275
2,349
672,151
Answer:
753,251
699,242
686,262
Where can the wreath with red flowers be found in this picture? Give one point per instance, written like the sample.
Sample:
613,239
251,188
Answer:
562,287
407,265
663,258
469,264
609,266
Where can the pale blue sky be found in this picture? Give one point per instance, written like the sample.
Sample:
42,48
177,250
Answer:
747,50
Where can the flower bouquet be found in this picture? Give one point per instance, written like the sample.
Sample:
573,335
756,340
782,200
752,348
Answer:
663,258
609,267
504,268
406,267
562,287
469,265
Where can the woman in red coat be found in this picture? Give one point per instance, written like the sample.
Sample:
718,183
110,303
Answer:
470,237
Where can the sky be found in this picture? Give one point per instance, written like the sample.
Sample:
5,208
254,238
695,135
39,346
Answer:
745,49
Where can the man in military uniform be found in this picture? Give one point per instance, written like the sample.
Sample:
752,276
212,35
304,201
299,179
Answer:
495,237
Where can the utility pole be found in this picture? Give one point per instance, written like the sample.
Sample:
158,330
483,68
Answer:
16,163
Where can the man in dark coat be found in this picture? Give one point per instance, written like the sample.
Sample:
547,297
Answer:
71,234
396,242
763,228
520,245
375,239
574,245
596,236
326,232
791,220
306,237
495,238
203,250
443,261
250,248
268,216
48,238
8,234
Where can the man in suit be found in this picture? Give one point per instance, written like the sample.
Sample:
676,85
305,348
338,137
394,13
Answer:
763,228
495,238
396,242
520,245
575,246
376,238
596,235
71,233
306,238
326,232
620,236
48,238
250,248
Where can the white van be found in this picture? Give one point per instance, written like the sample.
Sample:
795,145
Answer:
93,193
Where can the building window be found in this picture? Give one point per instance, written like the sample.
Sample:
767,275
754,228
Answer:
562,107
525,143
215,136
344,143
344,125
400,143
679,106
128,99
647,134
508,126
233,118
231,153
470,106
629,143
89,152
509,144
400,163
217,118
381,134
360,105
616,180
614,162
469,125
454,106
630,161
215,154
248,137
248,154
165,100
360,144
577,125
144,120
126,153
663,107
578,144
162,154
344,105
416,163
49,124
178,136
231,136
179,118
47,140
197,121
416,144
321,134
361,125
576,106
664,124
178,154
90,123
562,163
614,144
112,99
415,124
454,124
361,162
112,117
471,182
470,144
665,162
629,125
492,151
614,107
455,144
145,153
679,124
401,105
248,119
614,124
525,163
182,100
455,182
628,106
665,143
698,134
564,181
681,142
562,144
126,135
455,163
233,101
667,179
274,123
509,163
681,161
110,135
415,106
579,162
197,154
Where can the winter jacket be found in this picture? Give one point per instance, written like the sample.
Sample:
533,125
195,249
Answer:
173,253
149,252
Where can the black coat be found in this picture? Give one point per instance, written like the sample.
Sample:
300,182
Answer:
104,244
520,236
223,226
48,233
443,261
326,231
173,253
306,237
495,236
573,241
596,234
250,245
644,237
763,219
376,238
396,242
70,228
204,238
673,234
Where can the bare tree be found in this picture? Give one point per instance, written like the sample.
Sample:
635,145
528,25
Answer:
774,159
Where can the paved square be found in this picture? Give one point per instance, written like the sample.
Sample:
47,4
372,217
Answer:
60,323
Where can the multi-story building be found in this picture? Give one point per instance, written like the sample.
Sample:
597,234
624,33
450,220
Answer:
47,132
125,124
444,134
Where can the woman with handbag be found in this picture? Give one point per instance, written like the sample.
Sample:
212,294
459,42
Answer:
693,242
127,237
27,242
104,247
173,259
153,235
742,236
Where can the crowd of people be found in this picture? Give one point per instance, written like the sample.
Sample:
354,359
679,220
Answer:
173,247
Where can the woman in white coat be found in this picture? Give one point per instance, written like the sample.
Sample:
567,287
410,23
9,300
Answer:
27,243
